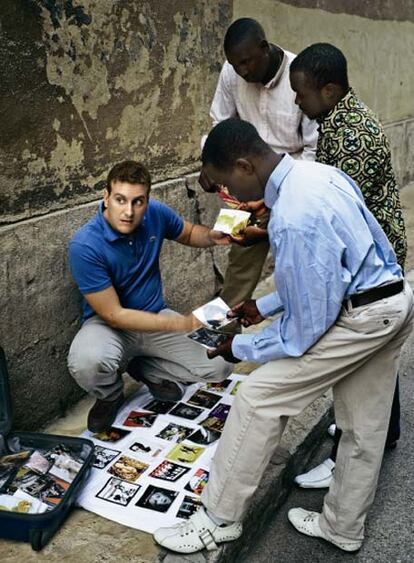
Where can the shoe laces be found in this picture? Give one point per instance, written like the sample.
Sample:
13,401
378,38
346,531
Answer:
311,517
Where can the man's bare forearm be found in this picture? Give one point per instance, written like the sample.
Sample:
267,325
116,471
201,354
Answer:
129,319
199,237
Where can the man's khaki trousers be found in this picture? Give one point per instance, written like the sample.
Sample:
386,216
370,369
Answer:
359,358
244,268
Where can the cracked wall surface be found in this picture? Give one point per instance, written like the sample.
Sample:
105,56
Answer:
90,82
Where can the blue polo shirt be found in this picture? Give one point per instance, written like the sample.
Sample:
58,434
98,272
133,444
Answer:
100,257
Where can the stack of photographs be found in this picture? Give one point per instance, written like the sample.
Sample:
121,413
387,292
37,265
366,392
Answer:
213,316
154,462
36,481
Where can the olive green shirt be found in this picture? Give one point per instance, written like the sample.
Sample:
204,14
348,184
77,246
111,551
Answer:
351,138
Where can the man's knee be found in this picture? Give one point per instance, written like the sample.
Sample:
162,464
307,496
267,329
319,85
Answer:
88,366
215,370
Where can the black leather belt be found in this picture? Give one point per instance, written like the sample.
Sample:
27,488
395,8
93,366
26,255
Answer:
374,294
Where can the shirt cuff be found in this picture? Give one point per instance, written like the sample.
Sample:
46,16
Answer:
241,346
269,304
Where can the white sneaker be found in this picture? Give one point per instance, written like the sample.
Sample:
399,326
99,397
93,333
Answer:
307,522
197,533
319,477
332,430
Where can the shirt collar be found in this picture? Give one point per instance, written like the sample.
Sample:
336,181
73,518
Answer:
274,81
275,180
347,102
109,233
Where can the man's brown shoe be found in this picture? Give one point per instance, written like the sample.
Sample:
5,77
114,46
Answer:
103,413
163,390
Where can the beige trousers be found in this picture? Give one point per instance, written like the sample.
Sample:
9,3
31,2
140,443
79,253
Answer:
359,358
243,272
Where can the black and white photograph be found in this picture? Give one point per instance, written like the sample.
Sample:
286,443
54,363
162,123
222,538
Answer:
186,411
175,432
146,449
205,399
157,498
159,407
65,467
213,314
104,456
204,436
169,471
118,492
207,338
188,507
28,481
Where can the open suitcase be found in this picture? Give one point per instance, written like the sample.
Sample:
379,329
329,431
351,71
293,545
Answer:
38,528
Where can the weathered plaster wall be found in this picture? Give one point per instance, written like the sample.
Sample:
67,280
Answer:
85,84
377,39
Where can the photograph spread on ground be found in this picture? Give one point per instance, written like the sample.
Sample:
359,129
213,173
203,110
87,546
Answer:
152,465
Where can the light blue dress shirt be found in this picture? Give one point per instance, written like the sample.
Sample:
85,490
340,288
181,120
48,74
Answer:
327,246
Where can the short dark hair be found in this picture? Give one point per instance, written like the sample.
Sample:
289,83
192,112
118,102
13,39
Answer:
129,171
322,63
232,139
242,29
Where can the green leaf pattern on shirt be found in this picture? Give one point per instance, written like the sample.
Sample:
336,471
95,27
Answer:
352,139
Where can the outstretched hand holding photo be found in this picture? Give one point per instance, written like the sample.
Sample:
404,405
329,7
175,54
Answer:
224,350
246,312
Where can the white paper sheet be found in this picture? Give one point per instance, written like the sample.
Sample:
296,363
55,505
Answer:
117,499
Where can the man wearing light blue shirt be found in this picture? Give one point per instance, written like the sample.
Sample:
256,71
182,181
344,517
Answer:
345,313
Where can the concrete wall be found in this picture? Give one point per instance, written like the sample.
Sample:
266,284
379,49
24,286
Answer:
85,84
377,39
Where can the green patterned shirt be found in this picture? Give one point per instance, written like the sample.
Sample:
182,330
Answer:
352,139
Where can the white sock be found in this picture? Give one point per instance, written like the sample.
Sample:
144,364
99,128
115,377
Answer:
218,521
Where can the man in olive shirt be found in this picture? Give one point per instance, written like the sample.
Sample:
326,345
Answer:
352,139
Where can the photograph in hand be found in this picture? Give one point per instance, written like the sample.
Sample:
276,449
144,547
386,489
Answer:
232,221
208,338
213,314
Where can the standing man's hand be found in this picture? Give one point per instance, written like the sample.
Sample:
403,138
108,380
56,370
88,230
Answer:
247,313
224,350
207,183
250,235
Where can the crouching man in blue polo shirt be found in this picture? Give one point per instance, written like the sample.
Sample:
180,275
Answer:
114,259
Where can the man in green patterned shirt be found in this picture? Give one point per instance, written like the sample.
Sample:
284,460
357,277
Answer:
350,138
